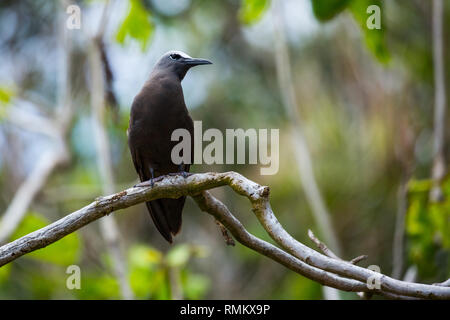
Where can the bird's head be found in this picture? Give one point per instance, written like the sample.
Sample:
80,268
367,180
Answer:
178,63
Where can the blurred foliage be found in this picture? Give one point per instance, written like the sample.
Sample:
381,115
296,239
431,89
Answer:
327,10
137,25
64,252
375,38
6,94
252,10
428,229
153,275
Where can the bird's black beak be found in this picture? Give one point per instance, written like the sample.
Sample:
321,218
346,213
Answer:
195,62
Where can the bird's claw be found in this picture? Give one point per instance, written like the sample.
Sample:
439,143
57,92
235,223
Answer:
148,183
151,181
184,174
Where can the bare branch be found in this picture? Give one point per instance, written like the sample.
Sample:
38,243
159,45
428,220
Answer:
294,255
108,226
359,259
228,239
326,251
300,145
440,100
322,246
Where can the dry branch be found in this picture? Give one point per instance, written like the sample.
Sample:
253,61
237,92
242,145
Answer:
293,255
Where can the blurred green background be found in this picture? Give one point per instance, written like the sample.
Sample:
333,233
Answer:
366,102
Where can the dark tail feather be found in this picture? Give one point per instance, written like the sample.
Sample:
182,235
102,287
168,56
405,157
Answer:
166,214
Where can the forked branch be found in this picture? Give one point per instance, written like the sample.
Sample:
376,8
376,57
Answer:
291,253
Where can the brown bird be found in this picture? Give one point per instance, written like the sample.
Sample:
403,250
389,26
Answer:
157,111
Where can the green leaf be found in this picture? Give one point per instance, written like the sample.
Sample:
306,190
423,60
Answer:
179,255
252,11
100,287
6,95
144,262
325,10
375,38
428,226
137,25
5,272
194,285
64,252
144,257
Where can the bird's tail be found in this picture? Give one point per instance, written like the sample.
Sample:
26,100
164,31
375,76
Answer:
166,214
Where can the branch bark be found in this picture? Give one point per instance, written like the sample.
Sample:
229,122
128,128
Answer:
291,253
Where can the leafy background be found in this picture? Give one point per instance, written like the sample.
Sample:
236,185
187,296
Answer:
366,100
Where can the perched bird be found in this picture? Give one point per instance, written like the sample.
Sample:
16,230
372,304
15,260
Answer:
157,111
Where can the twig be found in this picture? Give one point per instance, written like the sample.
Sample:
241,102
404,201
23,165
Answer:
293,255
359,259
323,247
228,239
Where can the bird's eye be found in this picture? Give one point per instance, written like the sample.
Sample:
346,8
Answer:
175,56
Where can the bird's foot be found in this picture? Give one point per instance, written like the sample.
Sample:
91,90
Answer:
149,183
182,171
184,174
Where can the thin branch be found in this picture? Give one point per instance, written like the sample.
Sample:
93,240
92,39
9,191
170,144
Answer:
292,254
399,234
326,251
322,246
108,226
228,239
302,153
438,171
359,259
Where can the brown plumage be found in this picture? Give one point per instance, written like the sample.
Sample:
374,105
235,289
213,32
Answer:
157,111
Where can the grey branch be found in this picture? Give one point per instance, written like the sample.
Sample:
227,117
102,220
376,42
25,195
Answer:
291,253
